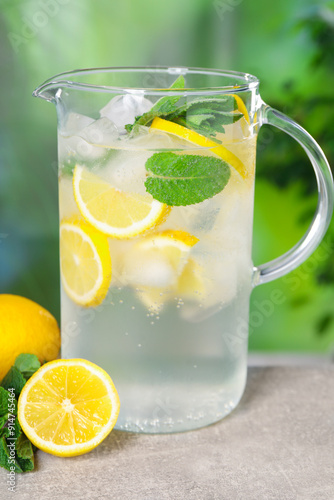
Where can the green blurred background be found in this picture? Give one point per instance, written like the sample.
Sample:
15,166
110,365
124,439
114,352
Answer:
289,45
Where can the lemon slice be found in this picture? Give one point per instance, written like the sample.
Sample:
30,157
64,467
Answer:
191,282
200,140
114,212
85,262
241,107
68,407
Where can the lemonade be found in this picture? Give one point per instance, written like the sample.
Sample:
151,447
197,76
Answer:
156,268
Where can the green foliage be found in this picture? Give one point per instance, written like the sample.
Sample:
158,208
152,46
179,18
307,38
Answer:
305,321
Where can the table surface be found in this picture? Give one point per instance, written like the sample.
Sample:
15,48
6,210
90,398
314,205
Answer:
278,444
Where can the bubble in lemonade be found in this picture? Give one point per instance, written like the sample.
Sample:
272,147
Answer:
155,236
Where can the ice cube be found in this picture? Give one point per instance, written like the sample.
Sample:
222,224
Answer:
76,122
148,272
86,139
155,140
220,284
123,109
76,147
101,132
126,171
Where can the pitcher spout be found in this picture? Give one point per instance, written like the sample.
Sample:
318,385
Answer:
49,91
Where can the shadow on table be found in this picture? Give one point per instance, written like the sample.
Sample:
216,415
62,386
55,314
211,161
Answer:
117,440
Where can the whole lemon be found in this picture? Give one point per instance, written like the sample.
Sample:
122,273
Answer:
26,327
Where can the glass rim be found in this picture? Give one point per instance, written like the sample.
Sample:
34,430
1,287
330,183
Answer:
247,81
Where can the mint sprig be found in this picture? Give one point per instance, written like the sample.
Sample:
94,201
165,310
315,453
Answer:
185,179
10,430
163,107
206,115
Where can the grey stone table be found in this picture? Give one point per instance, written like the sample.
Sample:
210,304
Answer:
278,444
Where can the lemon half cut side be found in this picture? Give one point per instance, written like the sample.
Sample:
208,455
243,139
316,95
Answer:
68,407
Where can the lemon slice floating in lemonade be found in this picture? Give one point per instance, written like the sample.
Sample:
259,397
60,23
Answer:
200,140
85,262
114,212
68,407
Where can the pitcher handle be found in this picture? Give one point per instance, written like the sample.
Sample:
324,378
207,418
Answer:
317,229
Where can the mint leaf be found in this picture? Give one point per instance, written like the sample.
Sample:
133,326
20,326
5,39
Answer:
185,179
4,401
27,364
220,103
24,447
4,454
14,380
25,464
162,107
15,448
9,425
3,426
207,115
8,459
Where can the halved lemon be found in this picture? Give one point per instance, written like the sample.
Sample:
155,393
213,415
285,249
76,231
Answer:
114,212
85,262
68,407
200,140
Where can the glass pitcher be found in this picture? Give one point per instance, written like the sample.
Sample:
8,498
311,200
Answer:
156,194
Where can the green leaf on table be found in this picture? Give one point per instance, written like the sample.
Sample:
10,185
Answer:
9,425
9,460
24,447
4,401
16,451
25,464
162,107
185,179
27,364
4,431
14,380
4,454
